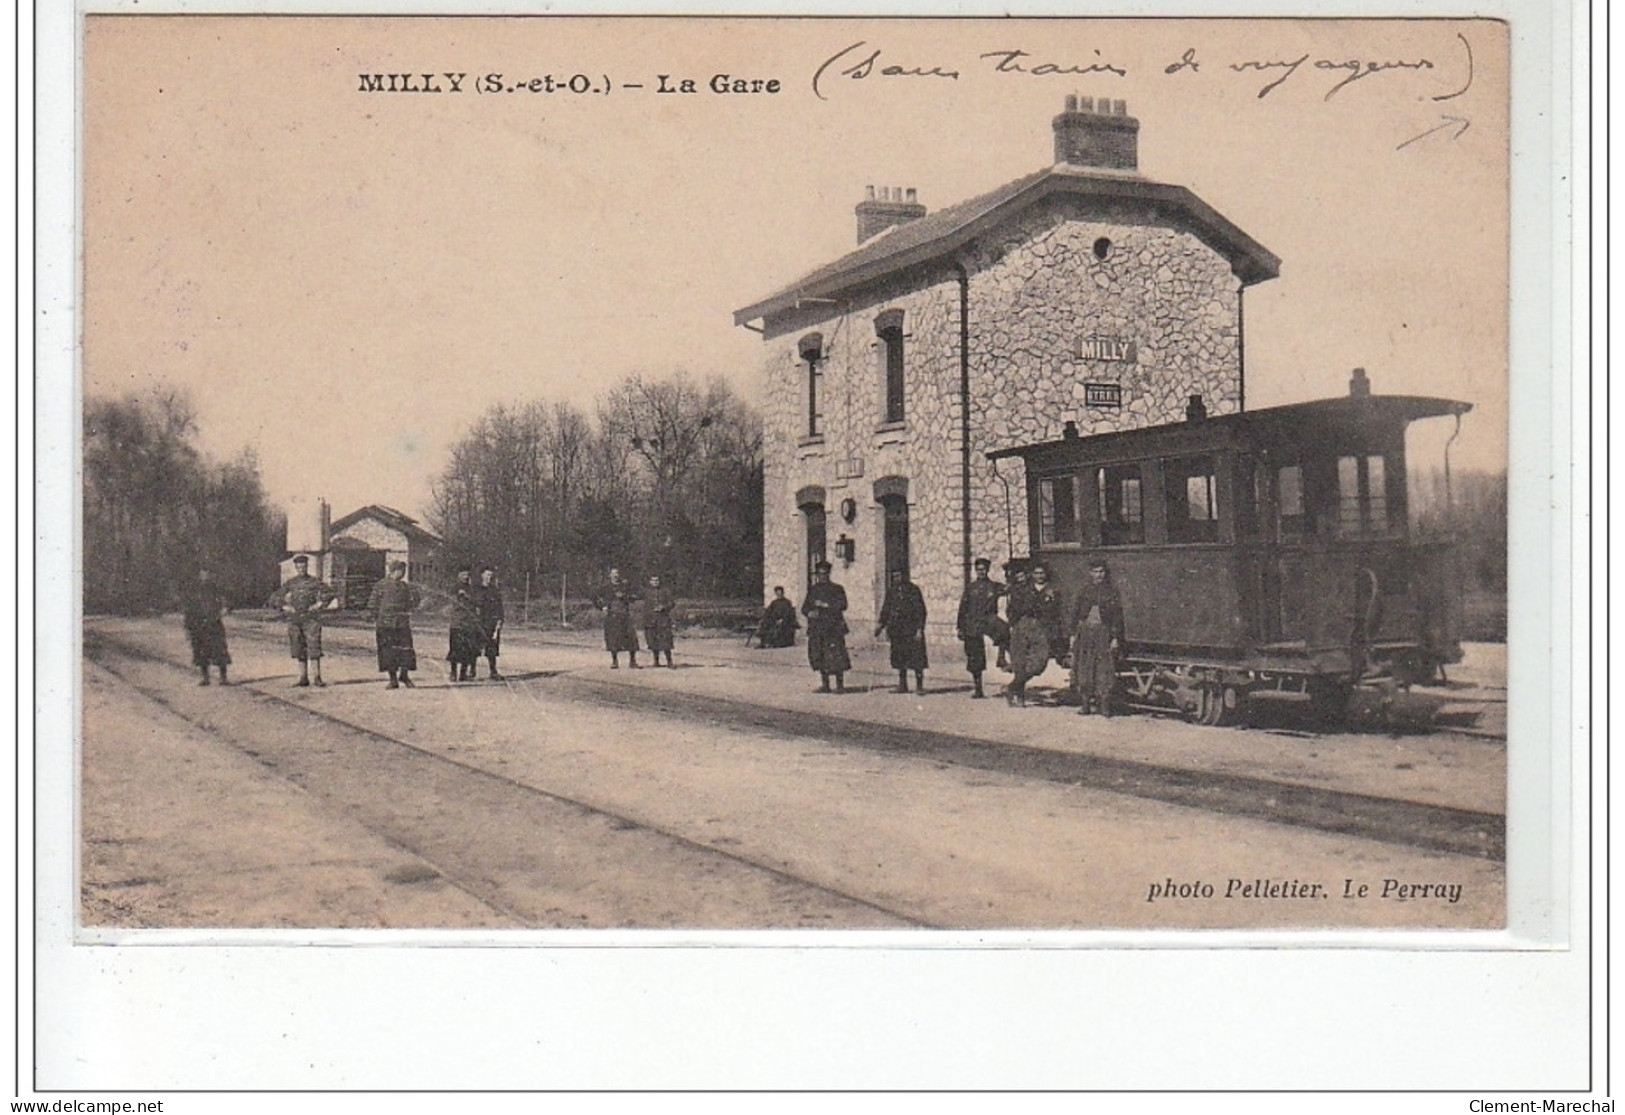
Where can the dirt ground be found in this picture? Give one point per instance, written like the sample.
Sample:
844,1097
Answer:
524,805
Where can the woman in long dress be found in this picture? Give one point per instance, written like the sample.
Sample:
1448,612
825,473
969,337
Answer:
392,603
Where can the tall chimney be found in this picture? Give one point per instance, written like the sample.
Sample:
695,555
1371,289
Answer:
894,206
1097,134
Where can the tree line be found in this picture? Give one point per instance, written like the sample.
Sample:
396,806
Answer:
156,509
664,476
1470,508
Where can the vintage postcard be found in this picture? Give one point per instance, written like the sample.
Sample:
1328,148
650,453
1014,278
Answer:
847,482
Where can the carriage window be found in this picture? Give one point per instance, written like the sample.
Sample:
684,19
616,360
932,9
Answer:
1362,495
1121,520
1289,501
1376,494
1193,500
1058,515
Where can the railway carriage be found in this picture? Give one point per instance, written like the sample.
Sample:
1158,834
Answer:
1262,554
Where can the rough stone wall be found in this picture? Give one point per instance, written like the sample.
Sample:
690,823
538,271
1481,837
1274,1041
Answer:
1036,288
1040,288
923,449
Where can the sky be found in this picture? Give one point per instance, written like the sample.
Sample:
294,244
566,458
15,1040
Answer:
343,281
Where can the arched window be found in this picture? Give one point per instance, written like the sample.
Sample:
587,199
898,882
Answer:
810,500
891,492
889,328
811,348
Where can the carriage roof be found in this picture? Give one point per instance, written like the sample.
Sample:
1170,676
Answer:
1365,415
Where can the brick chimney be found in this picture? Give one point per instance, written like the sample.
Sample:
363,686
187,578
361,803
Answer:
894,206
1097,134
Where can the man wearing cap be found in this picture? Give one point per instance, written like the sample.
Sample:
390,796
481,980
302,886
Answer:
467,636
902,618
825,609
1097,633
616,599
979,620
302,599
488,603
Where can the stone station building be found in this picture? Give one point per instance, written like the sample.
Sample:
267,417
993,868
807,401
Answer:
1081,294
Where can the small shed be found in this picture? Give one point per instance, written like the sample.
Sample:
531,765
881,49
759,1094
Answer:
363,543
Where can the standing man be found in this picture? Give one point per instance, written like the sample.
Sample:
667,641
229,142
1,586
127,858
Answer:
659,629
1035,625
902,618
302,600
492,615
1097,633
392,603
979,620
825,609
201,608
467,635
616,599
779,623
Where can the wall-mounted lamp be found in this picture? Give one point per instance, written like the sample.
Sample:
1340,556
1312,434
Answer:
846,549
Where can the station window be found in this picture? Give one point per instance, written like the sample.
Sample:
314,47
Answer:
1289,502
1059,517
816,536
889,328
1362,495
812,361
1192,495
1122,519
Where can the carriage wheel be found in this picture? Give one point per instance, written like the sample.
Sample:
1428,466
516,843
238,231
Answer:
1219,705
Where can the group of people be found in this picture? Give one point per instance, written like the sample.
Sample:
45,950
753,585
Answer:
1034,629
477,618
619,600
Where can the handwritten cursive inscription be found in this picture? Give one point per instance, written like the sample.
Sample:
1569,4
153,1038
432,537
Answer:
1355,67
1010,62
869,66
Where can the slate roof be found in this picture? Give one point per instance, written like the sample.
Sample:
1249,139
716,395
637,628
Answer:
942,233
395,520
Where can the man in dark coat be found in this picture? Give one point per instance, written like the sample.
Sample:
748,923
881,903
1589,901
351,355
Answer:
1097,634
902,618
979,620
659,628
1035,625
825,609
492,615
392,603
302,598
779,623
616,599
202,605
467,636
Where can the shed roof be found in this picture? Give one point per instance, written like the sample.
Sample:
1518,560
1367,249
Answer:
947,230
395,520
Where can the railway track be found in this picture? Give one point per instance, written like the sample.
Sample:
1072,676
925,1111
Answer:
536,856
1391,820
